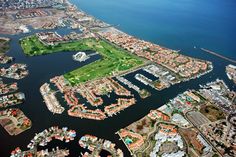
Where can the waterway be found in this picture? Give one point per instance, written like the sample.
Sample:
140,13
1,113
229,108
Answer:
178,25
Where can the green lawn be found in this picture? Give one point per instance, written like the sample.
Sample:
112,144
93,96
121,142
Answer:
113,59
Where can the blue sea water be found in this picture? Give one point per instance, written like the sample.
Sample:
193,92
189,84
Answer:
177,24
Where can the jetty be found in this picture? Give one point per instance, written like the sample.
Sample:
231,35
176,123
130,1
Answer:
218,55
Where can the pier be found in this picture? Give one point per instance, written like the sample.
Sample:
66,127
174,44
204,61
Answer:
218,55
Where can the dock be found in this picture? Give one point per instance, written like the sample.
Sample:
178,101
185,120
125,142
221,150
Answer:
218,55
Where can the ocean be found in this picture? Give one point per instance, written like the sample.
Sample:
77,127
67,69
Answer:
179,25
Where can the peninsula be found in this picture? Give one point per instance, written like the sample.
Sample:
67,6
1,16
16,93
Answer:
121,54
14,121
4,47
42,139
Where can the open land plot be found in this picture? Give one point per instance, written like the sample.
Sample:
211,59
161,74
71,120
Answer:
143,126
113,59
212,112
194,145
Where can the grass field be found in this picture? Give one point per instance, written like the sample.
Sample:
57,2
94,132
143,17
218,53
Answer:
33,47
113,59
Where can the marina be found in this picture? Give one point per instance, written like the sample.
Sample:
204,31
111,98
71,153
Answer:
143,93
